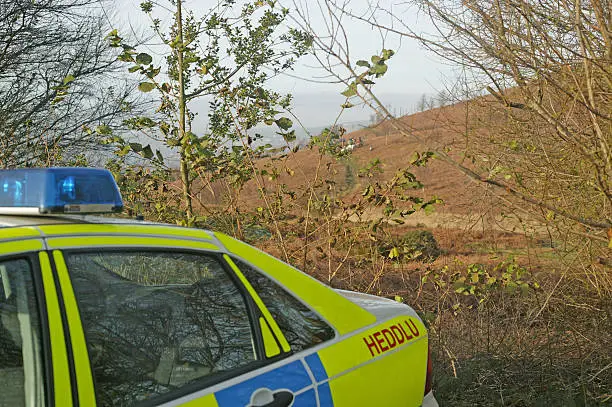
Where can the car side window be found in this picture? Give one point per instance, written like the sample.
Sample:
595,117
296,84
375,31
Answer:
302,327
21,367
155,322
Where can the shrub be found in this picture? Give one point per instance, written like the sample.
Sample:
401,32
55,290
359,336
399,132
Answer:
421,245
414,245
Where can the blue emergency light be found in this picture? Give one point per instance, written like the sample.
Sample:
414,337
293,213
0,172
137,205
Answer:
31,191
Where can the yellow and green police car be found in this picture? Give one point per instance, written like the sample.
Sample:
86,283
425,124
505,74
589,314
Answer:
97,311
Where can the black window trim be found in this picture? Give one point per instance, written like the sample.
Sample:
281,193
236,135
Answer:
253,312
41,306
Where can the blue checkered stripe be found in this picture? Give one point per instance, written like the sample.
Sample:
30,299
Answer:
321,380
292,376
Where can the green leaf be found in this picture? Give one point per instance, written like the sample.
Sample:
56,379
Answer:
104,130
284,123
146,86
68,79
387,53
350,91
152,72
289,136
394,253
347,105
143,58
363,63
124,151
136,147
429,209
159,156
379,70
146,6
147,152
134,68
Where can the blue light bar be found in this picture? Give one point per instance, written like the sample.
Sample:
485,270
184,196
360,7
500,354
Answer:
31,191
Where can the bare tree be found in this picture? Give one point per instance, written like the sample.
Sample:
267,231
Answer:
59,94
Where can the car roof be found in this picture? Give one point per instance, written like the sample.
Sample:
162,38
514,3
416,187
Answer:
7,221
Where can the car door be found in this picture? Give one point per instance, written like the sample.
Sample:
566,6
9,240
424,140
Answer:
33,358
171,326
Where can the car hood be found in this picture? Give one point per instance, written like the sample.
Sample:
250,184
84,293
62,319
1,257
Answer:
382,308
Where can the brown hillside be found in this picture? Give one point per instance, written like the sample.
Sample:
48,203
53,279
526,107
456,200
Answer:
466,205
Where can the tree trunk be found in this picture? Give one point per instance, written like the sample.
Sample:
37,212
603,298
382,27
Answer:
184,163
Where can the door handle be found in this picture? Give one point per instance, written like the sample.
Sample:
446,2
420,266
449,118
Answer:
267,398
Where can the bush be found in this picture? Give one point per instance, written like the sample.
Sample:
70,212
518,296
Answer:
414,245
421,245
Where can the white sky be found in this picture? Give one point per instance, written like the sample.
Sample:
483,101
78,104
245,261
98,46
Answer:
412,71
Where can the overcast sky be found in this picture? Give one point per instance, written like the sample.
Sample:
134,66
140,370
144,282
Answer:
412,71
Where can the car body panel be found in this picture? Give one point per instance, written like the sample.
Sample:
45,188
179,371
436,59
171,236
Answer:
126,241
19,233
291,376
21,246
382,308
123,229
369,359
205,401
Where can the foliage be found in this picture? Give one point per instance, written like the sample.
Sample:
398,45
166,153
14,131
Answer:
223,58
420,244
376,69
542,139
479,283
147,192
328,141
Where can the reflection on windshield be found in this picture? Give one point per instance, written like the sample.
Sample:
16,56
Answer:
155,322
301,326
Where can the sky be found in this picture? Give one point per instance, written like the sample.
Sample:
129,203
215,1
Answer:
413,71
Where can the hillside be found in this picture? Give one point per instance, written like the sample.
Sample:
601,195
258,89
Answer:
465,206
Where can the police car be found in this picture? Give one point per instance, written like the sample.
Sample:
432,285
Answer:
103,311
